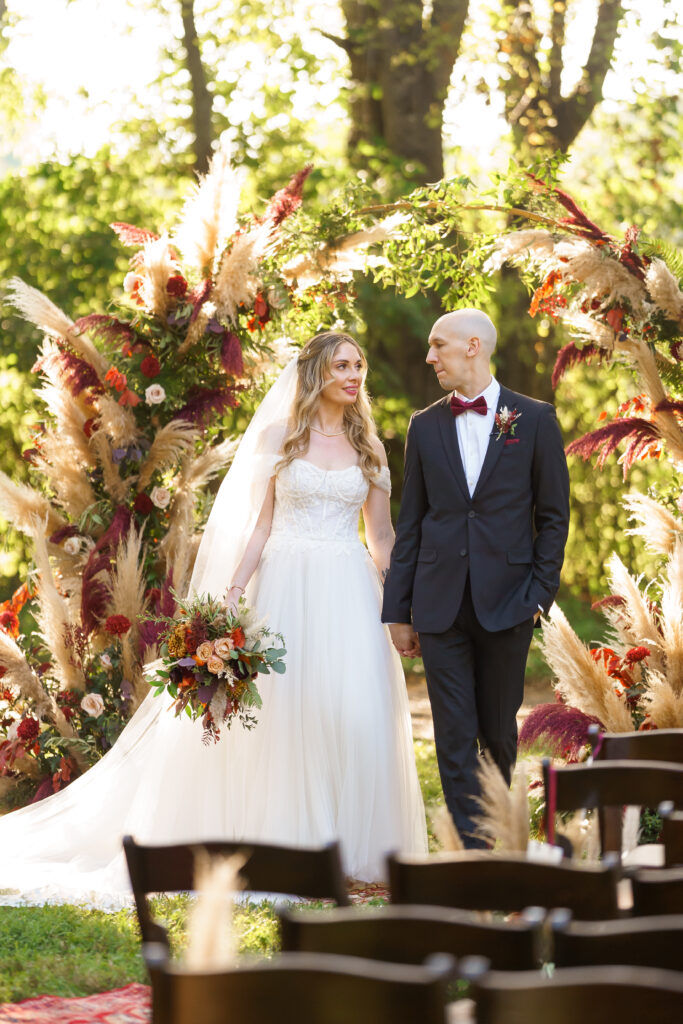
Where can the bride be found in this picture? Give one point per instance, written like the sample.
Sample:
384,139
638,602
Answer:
331,755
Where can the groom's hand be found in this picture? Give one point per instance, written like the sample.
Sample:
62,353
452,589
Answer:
405,639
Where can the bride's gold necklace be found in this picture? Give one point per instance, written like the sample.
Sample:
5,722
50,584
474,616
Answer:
337,433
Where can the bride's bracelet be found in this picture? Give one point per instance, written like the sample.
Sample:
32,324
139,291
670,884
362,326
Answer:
234,586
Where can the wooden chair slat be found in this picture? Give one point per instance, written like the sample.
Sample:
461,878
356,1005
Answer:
641,942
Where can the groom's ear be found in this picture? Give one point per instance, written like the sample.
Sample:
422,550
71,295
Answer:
473,345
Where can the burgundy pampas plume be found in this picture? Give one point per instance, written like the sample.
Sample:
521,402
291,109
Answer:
73,372
106,327
130,235
206,402
95,593
63,534
570,355
164,604
611,601
607,439
288,199
668,406
577,217
562,728
231,355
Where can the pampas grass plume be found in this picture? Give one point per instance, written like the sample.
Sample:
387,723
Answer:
503,819
209,216
445,831
24,507
171,443
655,524
211,942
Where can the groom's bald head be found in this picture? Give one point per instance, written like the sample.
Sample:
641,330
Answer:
461,344
466,324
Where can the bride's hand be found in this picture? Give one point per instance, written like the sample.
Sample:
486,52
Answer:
231,599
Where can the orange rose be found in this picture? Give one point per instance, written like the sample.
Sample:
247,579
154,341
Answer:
223,647
215,664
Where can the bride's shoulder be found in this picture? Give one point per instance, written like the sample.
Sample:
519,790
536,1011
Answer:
379,450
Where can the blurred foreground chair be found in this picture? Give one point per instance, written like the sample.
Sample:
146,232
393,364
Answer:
312,873
639,941
300,988
409,934
672,834
491,881
657,891
604,785
574,995
652,745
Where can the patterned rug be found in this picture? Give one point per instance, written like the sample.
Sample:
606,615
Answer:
129,1005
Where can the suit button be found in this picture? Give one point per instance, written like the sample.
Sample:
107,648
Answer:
463,552
471,514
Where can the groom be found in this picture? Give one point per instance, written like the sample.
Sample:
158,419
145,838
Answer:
479,547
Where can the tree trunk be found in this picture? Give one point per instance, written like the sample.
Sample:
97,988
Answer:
201,97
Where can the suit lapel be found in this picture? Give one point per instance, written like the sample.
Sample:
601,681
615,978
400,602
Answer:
449,438
495,445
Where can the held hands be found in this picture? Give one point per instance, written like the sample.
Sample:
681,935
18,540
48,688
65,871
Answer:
405,639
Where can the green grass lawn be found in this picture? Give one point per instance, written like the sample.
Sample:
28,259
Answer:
68,951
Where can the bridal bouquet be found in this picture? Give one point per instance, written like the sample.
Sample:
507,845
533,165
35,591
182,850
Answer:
210,659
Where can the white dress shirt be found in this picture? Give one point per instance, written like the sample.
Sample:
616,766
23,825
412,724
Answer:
474,431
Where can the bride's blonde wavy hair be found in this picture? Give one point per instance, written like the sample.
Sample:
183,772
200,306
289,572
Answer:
313,371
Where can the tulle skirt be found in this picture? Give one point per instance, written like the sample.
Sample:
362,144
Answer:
330,757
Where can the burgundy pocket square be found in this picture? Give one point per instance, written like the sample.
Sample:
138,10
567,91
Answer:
511,440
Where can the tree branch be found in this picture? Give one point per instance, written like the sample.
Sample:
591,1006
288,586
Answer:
573,112
201,97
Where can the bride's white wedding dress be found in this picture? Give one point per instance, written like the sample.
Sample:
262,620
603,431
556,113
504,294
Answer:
331,755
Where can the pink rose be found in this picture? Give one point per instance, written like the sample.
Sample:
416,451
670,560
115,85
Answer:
161,497
205,650
215,664
154,394
93,704
223,647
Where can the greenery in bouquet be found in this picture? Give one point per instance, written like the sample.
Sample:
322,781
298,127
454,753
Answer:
210,660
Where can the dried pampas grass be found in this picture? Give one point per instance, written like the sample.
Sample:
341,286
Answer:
664,289
581,681
236,281
583,833
20,677
175,548
211,940
117,421
70,420
633,620
519,247
587,328
156,266
53,618
503,820
340,260
171,443
445,831
671,621
115,485
209,216
658,527
23,507
66,476
663,705
197,472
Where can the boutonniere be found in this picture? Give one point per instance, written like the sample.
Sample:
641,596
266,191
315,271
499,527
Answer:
506,421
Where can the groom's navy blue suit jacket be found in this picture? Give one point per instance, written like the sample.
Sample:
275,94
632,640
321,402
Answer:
509,535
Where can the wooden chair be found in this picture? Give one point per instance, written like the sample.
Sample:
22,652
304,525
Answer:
409,934
657,891
313,873
300,988
589,995
607,784
489,881
641,942
653,745
672,834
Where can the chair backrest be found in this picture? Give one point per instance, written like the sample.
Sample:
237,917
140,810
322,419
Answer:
490,881
657,891
312,873
300,988
607,784
652,745
589,995
672,834
409,934
639,941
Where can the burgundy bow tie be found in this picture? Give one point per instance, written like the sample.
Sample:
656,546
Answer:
478,405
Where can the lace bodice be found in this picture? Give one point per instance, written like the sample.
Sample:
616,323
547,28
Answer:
314,504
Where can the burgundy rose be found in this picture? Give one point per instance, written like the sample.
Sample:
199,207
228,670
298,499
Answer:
90,426
150,367
28,729
176,286
143,504
117,625
9,622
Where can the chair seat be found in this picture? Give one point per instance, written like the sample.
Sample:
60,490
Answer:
648,855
